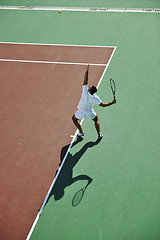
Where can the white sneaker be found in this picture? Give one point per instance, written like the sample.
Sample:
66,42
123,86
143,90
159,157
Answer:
100,135
79,134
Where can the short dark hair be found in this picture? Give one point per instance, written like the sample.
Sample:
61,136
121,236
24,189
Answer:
93,90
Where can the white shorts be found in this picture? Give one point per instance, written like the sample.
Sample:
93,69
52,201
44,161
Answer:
80,115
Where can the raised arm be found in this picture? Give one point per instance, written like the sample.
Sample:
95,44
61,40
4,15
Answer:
108,104
86,76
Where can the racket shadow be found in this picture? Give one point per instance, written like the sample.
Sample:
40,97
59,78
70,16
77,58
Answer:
65,178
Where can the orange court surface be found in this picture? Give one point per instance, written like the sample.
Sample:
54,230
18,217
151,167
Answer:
40,86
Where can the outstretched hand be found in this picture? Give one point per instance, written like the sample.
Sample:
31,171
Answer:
86,76
87,68
114,101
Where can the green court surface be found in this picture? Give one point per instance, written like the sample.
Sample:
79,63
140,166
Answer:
122,202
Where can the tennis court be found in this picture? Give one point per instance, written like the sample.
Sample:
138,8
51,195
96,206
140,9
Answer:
43,56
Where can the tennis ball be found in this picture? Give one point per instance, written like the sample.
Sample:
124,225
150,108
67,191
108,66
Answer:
59,11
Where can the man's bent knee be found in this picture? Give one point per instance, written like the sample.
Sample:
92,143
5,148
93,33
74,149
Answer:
74,118
95,119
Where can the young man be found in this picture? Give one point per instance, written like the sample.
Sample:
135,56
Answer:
85,106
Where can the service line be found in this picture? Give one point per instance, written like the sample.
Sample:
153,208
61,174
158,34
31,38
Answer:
48,62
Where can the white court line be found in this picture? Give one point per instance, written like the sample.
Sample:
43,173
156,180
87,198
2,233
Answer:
106,67
47,62
82,9
50,62
61,45
64,159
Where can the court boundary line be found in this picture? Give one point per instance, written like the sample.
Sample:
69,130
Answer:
73,139
54,44
81,9
106,67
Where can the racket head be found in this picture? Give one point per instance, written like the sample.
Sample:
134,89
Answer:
113,86
77,197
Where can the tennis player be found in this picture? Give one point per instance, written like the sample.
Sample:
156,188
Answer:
85,106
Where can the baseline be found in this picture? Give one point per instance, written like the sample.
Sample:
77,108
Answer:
82,9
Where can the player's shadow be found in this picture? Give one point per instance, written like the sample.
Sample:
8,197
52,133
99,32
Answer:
65,177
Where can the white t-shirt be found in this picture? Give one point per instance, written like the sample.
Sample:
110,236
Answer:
87,100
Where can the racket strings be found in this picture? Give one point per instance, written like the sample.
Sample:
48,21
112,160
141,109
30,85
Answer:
113,86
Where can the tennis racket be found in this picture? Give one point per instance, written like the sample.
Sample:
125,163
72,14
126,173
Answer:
78,196
113,87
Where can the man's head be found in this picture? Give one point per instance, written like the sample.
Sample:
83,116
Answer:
92,90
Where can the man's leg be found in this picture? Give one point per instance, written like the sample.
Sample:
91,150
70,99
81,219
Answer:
76,121
97,125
